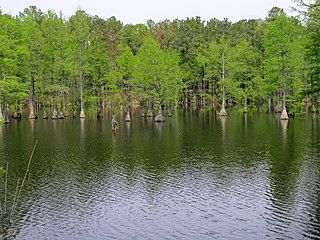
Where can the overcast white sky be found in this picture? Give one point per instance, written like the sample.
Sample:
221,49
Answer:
139,11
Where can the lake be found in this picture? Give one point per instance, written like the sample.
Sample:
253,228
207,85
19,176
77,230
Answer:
196,176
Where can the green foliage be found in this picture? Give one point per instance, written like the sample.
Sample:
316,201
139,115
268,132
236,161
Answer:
165,61
156,73
313,45
245,72
215,60
133,36
14,92
124,67
284,56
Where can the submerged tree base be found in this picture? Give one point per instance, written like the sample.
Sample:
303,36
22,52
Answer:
54,114
278,108
245,110
127,118
6,119
314,110
114,125
284,115
32,115
45,115
16,115
160,118
100,114
223,112
61,115
149,113
82,115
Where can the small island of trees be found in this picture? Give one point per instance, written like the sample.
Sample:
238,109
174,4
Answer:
66,64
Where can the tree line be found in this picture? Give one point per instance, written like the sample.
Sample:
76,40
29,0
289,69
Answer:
67,63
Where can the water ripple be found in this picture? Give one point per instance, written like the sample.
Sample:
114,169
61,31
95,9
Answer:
175,181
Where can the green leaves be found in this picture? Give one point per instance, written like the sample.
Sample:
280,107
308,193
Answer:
186,59
13,91
284,55
156,72
313,45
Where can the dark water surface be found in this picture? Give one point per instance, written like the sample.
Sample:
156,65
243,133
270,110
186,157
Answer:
196,176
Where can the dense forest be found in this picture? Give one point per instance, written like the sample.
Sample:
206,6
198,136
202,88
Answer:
67,64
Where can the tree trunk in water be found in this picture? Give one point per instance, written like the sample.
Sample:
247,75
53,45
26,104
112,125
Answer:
245,109
284,114
160,117
315,105
278,108
5,113
1,115
65,105
82,115
17,113
32,114
101,104
314,109
223,111
61,115
55,112
169,110
100,111
45,114
213,99
142,109
150,107
128,117
269,105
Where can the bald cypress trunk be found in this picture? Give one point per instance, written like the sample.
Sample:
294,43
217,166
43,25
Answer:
32,114
45,114
142,109
223,111
245,109
61,115
128,117
160,117
55,112
169,110
1,115
150,107
284,114
5,113
100,111
82,114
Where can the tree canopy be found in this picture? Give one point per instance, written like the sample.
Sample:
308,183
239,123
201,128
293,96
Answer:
187,61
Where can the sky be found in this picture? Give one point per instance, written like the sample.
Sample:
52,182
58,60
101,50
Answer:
139,11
